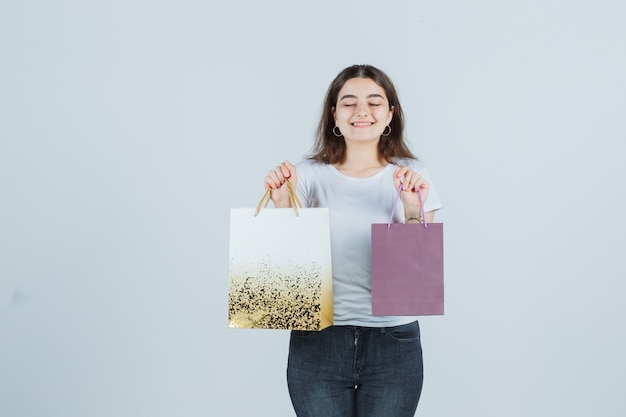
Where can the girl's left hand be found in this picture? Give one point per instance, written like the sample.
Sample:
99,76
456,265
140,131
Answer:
411,182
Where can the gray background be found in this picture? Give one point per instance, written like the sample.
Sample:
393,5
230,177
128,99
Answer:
129,129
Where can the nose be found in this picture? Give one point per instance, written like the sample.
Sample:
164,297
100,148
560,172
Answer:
361,109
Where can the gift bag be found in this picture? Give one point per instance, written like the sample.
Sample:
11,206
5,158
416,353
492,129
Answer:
280,274
407,268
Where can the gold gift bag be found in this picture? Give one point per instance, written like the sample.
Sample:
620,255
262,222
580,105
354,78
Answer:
280,267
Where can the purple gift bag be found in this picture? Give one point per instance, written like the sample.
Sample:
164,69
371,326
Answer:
407,268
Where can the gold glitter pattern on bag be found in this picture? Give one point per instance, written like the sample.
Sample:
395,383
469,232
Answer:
275,299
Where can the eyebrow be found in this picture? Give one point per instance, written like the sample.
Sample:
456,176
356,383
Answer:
353,96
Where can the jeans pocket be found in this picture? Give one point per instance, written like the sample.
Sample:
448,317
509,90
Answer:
407,332
303,333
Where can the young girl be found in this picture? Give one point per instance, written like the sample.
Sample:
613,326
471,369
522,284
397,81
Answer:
363,365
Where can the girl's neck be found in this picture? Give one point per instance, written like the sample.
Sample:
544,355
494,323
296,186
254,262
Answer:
361,164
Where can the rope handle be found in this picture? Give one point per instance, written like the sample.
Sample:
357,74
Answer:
293,199
395,203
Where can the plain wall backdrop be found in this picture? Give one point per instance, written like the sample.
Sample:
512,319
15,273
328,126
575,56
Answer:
128,129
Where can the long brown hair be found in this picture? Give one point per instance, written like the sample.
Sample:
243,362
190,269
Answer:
331,149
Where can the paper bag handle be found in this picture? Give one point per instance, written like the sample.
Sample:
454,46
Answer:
395,203
293,198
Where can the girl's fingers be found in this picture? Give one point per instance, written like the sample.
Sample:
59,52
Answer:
287,169
411,181
274,178
277,177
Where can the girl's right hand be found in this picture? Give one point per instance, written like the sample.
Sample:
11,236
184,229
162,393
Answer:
276,180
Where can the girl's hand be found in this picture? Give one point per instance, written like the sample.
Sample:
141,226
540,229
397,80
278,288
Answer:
276,180
411,182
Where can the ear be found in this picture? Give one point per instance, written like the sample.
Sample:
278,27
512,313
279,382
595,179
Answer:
390,116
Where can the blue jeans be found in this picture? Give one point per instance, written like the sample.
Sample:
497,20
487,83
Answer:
351,371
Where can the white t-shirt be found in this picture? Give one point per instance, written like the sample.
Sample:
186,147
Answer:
354,204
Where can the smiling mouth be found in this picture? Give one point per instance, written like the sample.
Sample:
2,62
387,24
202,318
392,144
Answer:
362,124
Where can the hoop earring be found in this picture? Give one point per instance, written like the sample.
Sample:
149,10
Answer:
335,133
388,133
